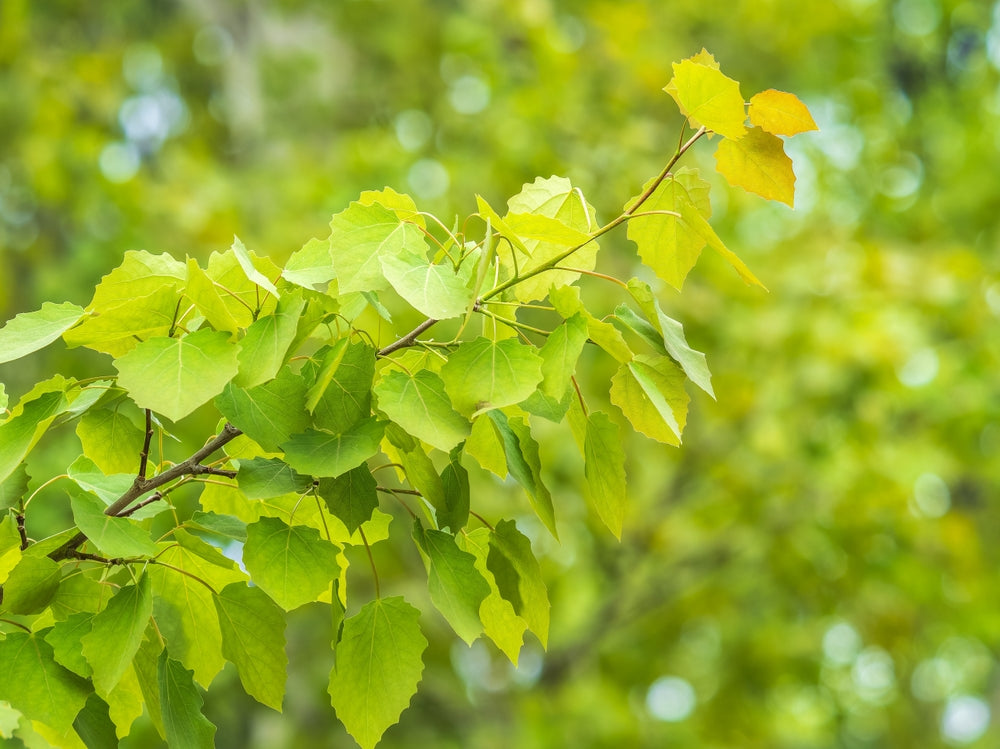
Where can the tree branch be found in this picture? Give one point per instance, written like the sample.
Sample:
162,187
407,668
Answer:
407,340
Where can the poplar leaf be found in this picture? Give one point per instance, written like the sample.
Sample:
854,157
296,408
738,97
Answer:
757,162
253,640
208,298
38,686
139,274
518,577
650,392
323,454
455,585
697,222
525,466
180,707
31,584
707,97
22,430
378,668
30,331
265,346
246,263
119,328
352,496
114,537
433,290
341,388
311,266
14,487
291,563
263,478
780,113
567,302
10,546
485,445
400,204
270,413
604,471
111,439
116,634
482,374
360,236
174,376
419,404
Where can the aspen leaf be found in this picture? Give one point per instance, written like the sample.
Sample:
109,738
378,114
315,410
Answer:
419,404
757,162
35,684
708,98
780,113
31,331
487,374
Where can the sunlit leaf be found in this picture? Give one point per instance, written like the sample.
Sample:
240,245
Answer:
484,374
361,234
111,439
419,404
378,668
115,537
31,331
518,577
604,470
696,221
311,267
323,454
116,634
757,163
455,585
180,707
264,348
434,290
243,257
708,98
780,113
650,392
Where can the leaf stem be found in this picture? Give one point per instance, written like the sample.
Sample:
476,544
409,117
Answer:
407,340
371,561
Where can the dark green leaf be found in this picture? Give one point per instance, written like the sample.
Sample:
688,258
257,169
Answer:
351,496
180,707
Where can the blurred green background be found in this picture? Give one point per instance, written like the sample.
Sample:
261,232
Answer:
818,565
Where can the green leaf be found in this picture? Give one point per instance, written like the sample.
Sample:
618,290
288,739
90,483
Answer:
111,439
270,413
650,392
241,296
65,638
457,494
709,98
482,374
455,585
524,465
665,242
757,162
118,329
14,487
402,205
38,686
323,454
604,470
419,469
667,334
340,393
174,376
116,634
210,300
10,546
22,430
311,267
567,302
352,496
31,331
114,537
698,223
140,273
378,668
419,404
253,640
265,346
486,446
246,263
30,585
262,478
433,290
360,236
292,564
518,577
180,707
93,724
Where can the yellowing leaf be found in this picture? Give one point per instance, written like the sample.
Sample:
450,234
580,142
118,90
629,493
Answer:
780,113
709,98
757,162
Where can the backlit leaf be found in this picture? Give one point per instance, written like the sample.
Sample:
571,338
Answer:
757,162
118,329
174,376
116,634
269,413
111,439
31,331
780,113
518,577
360,235
243,257
31,584
708,98
265,346
180,707
525,466
114,537
604,470
323,454
311,267
419,404
434,290
22,430
378,668
650,392
455,585
482,374
292,564
697,222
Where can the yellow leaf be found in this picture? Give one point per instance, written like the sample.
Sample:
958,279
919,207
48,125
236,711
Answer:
757,163
780,113
705,58
708,98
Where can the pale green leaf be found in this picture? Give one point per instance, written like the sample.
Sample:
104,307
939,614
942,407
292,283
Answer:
402,205
140,274
650,392
525,466
270,413
31,584
378,668
264,348
10,546
174,376
360,236
323,454
210,299
486,446
567,302
246,261
483,374
262,478
113,537
180,707
500,623
292,564
709,98
118,329
253,640
757,162
36,685
518,577
25,427
241,296
456,587
604,470
697,222
14,488
65,638
560,353
116,634
352,496
111,439
433,290
419,404
310,267
31,331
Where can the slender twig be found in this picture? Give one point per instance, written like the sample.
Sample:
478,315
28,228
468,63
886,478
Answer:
155,497
576,386
21,531
481,519
140,486
407,340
